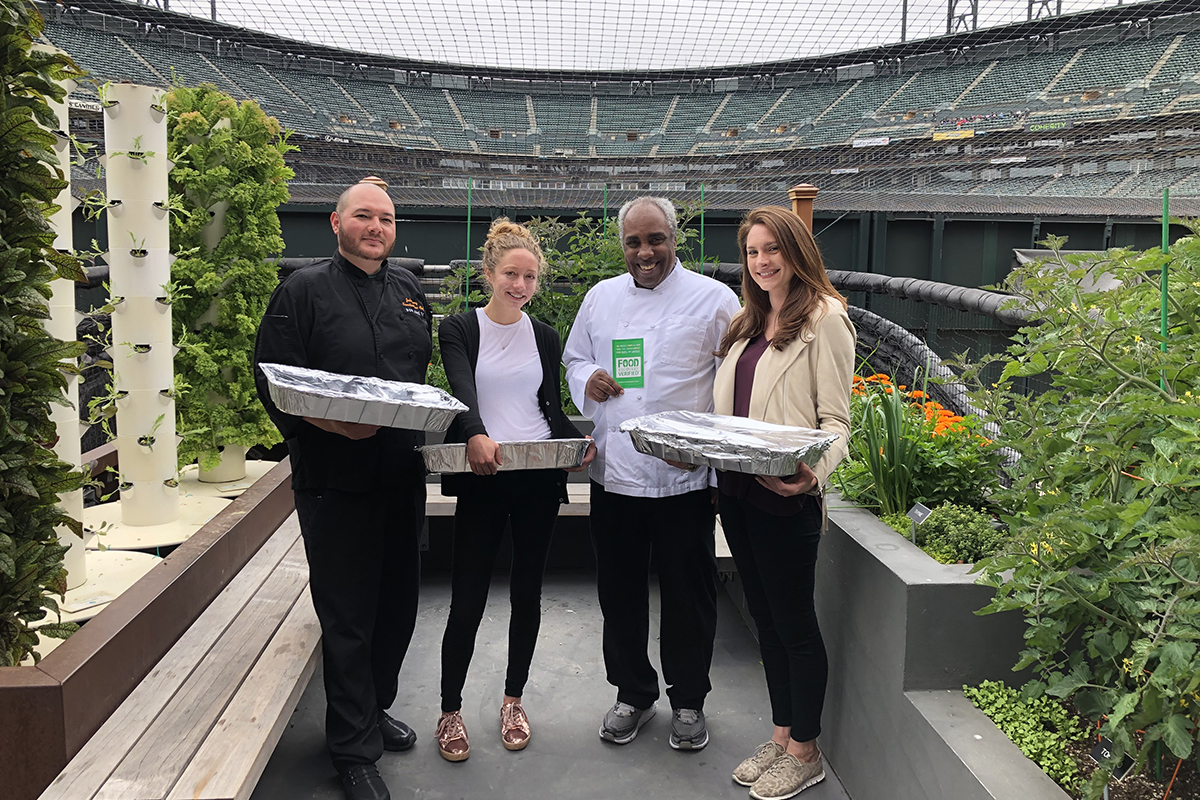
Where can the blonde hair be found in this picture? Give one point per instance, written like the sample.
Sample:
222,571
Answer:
505,235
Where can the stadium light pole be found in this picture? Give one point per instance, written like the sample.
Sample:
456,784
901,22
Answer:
904,21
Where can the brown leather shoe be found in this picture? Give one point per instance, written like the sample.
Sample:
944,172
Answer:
452,737
514,726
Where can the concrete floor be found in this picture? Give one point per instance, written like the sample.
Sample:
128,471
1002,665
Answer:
566,698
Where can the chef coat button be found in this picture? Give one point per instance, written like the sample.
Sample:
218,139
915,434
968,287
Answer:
652,327
639,397
625,324
612,429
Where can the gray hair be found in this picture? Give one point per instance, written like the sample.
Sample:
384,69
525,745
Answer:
661,203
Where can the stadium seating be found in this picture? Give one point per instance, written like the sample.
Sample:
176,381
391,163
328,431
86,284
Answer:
804,103
1111,65
102,54
1010,82
745,109
1096,185
865,98
934,87
486,111
618,115
563,121
1183,63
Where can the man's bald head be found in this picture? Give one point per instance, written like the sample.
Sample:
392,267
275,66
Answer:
356,191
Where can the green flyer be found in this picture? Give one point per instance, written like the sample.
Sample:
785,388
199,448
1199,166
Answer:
628,363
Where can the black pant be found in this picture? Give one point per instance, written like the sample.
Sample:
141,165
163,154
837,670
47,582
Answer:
776,559
364,573
530,499
677,533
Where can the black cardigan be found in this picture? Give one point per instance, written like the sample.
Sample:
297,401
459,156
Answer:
458,337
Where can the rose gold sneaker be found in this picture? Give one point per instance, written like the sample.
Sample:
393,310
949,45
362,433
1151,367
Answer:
452,737
514,726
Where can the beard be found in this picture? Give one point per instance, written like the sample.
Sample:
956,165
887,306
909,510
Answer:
351,248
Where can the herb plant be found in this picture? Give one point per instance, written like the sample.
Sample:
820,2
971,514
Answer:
1041,727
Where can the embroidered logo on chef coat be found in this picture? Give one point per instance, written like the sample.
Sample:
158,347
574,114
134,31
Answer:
411,306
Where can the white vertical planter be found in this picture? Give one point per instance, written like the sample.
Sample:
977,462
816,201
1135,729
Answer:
140,267
61,325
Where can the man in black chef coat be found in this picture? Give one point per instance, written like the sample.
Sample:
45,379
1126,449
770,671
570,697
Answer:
360,491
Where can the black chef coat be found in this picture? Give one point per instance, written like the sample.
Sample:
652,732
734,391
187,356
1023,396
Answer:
320,317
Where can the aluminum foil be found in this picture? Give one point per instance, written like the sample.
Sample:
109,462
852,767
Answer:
733,444
354,398
543,454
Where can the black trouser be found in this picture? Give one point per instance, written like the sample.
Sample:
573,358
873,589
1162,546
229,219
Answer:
530,499
364,573
776,559
677,533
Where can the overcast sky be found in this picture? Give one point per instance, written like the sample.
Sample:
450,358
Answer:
603,34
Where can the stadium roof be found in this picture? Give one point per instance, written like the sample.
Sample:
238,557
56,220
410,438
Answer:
585,40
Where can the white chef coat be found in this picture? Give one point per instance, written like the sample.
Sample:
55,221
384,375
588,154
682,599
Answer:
681,322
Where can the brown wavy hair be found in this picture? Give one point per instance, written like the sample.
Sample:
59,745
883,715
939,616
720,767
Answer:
807,289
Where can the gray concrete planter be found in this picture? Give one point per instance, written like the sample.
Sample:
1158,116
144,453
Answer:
902,639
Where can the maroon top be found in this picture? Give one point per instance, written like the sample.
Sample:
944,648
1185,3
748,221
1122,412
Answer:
739,484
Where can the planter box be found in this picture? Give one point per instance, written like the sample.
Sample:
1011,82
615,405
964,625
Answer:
50,710
902,639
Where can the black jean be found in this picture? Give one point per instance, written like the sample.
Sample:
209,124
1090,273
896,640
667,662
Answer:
677,534
530,500
364,574
776,559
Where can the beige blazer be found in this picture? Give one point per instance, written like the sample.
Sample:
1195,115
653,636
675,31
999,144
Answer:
806,384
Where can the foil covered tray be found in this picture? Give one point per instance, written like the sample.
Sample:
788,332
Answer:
352,398
733,444
544,454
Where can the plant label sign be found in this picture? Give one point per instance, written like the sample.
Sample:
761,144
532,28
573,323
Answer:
919,513
1102,753
629,363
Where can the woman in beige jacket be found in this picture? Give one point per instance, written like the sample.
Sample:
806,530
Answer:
788,359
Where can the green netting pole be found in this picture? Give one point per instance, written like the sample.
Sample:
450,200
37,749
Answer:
702,230
467,293
1166,245
606,206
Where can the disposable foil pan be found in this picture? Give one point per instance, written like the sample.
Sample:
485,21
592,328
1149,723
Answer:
733,444
543,454
354,398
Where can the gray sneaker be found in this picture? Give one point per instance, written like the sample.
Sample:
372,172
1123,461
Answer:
787,777
753,767
687,729
623,721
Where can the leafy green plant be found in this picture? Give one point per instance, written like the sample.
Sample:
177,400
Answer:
232,153
954,534
1103,506
33,365
1040,727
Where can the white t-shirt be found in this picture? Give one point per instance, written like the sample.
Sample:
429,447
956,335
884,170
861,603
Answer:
508,375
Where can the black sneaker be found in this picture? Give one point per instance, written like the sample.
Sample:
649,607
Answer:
623,721
363,782
688,731
397,736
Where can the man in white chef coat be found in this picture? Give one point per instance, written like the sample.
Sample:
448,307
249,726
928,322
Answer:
642,343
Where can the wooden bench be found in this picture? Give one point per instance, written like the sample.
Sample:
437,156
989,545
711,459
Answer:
204,721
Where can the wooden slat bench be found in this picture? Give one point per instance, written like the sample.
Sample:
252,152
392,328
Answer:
204,721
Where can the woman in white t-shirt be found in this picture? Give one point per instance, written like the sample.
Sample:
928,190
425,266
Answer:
505,367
